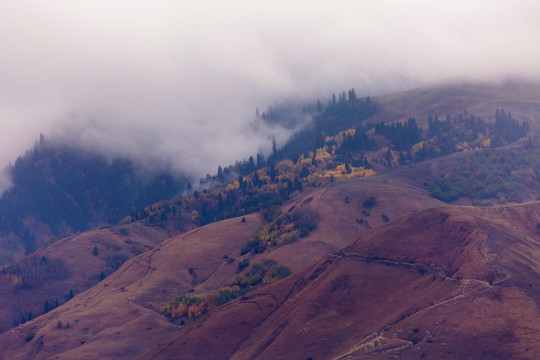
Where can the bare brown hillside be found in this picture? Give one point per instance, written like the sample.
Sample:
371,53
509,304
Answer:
73,264
118,317
448,283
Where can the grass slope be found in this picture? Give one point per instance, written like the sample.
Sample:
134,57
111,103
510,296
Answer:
452,282
67,265
118,317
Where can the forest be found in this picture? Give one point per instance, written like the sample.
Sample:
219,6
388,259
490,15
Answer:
71,190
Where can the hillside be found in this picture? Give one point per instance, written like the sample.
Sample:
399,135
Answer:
447,283
479,99
54,274
198,262
59,191
365,168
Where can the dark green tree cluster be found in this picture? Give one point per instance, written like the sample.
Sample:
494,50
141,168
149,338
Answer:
495,173
360,141
287,115
69,189
341,114
24,316
402,135
444,135
252,195
507,129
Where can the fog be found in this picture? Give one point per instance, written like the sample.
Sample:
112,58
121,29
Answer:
179,81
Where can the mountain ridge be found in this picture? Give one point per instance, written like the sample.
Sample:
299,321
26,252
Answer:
380,209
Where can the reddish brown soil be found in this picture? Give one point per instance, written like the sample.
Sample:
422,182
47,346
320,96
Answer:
80,268
448,283
110,318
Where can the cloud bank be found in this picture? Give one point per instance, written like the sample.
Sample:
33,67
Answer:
180,81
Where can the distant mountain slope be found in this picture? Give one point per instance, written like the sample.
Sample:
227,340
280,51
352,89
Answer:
522,99
59,190
448,283
53,274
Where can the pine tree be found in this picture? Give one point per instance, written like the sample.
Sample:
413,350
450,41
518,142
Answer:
220,175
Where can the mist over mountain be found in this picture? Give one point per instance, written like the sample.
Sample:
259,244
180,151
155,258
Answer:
308,179
181,81
187,269
60,190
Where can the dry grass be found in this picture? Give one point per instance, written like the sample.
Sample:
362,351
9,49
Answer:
427,283
447,283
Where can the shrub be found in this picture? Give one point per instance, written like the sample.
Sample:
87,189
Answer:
226,295
255,246
103,226
271,213
370,201
243,264
30,336
276,273
305,220
115,260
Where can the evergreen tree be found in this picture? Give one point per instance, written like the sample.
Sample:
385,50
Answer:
260,161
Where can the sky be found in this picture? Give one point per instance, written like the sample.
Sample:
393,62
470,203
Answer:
179,81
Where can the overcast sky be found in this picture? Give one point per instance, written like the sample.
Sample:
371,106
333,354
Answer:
180,80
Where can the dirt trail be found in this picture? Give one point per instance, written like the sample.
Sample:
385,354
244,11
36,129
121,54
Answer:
377,341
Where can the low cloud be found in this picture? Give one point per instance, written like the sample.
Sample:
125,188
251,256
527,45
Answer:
180,81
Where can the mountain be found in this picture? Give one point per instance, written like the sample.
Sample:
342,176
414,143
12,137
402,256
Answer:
353,206
198,262
59,190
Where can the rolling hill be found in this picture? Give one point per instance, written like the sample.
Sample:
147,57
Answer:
198,262
382,269
52,275
451,282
